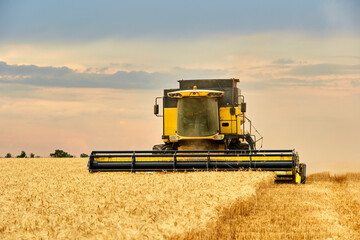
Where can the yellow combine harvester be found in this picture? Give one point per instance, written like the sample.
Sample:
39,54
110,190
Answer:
203,129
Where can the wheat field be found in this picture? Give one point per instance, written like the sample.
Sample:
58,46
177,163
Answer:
58,198
326,207
49,198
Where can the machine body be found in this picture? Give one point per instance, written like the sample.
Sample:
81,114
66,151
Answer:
203,130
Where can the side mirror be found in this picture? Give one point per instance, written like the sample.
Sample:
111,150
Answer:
243,107
156,109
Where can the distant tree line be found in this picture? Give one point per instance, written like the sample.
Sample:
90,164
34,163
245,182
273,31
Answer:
58,153
22,155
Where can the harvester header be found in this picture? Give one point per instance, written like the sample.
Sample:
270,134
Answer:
203,130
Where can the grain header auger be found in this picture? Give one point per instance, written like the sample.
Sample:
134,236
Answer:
203,130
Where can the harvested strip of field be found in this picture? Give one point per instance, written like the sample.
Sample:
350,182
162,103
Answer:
326,207
57,198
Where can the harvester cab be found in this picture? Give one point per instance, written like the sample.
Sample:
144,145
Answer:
203,129
204,115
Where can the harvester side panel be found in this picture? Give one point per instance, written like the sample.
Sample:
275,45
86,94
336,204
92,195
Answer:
169,114
230,124
170,121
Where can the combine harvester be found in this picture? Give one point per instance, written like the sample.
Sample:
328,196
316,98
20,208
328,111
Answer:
203,130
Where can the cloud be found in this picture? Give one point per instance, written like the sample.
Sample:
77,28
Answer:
330,78
186,73
355,82
324,69
264,77
278,83
283,61
33,70
296,82
95,78
343,56
66,77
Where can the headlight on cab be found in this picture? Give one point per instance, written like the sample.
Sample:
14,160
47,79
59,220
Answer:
174,138
219,137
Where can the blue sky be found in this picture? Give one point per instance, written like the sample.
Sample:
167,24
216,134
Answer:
56,21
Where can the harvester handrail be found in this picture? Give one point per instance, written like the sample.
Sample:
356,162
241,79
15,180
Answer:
195,151
195,155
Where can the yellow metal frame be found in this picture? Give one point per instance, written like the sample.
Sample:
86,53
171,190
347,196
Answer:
235,121
213,137
170,122
195,93
221,157
297,177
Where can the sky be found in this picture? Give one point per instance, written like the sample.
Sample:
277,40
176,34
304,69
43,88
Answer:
83,75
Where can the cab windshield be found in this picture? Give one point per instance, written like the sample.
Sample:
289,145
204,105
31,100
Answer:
197,117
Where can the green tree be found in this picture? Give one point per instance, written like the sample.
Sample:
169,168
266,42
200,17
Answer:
8,155
84,155
60,154
22,155
32,155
